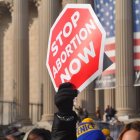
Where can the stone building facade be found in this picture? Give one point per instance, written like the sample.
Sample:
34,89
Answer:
24,32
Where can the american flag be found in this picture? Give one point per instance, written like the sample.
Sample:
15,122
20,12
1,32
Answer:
136,31
105,11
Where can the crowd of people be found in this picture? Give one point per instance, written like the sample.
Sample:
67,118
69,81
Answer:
110,113
67,126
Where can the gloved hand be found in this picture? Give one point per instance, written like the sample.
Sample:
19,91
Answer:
64,97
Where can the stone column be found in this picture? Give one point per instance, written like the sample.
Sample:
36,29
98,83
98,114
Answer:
1,73
21,60
1,65
99,100
86,99
125,93
50,11
40,17
109,97
39,6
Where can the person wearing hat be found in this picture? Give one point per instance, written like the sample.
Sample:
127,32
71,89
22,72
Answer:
87,130
106,132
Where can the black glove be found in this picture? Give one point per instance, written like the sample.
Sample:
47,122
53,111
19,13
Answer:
64,97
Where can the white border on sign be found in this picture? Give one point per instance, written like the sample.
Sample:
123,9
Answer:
100,69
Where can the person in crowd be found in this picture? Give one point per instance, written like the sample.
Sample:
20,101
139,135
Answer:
85,113
79,112
131,131
106,132
110,112
87,130
107,112
12,133
39,134
82,113
64,123
98,113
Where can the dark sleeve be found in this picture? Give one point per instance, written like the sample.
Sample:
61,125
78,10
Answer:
64,126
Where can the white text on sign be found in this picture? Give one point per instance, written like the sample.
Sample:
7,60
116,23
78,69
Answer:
82,35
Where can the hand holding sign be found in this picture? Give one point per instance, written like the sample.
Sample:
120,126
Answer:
76,47
64,97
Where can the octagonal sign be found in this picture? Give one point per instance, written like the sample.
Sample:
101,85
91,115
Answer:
75,47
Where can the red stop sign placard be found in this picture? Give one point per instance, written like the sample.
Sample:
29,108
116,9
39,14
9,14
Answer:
76,47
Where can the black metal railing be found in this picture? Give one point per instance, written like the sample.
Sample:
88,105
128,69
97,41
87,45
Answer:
36,111
8,112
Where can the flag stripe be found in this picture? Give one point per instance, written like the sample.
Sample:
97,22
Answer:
108,72
136,62
136,48
136,42
136,55
110,53
109,47
137,68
